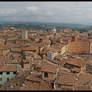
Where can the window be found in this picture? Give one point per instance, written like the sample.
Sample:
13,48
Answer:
45,74
0,72
14,72
8,73
59,85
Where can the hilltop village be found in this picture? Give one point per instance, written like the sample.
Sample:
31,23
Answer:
45,60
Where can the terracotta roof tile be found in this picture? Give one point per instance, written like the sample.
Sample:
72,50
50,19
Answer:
30,86
33,78
49,68
8,68
83,78
76,61
76,69
66,78
82,87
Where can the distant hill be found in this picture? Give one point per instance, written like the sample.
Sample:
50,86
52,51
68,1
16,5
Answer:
45,26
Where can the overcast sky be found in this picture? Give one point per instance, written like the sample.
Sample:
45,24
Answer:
62,12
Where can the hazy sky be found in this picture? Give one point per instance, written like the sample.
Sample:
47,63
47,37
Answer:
62,12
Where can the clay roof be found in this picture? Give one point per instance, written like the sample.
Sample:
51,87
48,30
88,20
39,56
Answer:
2,59
76,69
66,88
56,47
30,86
17,58
83,79
89,62
49,68
16,49
33,78
66,78
13,54
82,87
45,61
29,48
5,47
76,61
36,86
51,49
63,69
10,39
7,61
44,85
8,68
10,45
67,30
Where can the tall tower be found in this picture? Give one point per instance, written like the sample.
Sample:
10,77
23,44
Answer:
24,34
54,30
